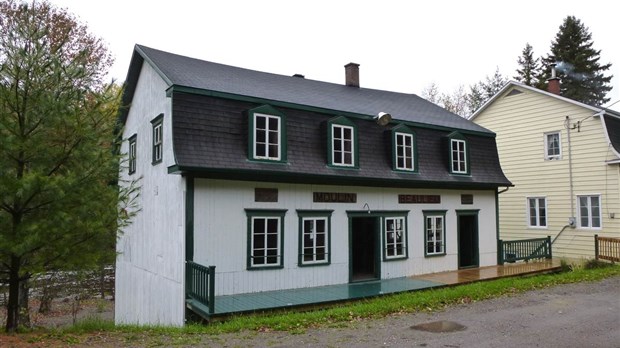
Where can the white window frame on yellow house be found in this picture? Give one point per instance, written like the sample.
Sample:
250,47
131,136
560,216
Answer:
590,216
537,211
558,156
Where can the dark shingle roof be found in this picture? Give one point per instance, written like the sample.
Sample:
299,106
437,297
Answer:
184,71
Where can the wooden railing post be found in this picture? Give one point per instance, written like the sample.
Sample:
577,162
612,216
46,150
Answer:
596,249
500,252
549,253
211,289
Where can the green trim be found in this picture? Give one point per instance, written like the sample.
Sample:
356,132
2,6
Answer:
387,258
302,214
189,218
157,121
305,178
499,256
267,213
403,129
267,110
377,229
132,159
459,137
342,122
430,213
198,91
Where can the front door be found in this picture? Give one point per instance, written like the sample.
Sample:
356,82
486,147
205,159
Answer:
468,239
364,241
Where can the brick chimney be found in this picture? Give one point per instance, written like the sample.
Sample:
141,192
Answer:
553,82
352,75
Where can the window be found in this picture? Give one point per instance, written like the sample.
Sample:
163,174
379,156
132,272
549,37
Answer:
434,231
459,156
395,241
267,134
404,149
314,229
553,148
265,233
537,211
342,143
132,153
158,138
589,211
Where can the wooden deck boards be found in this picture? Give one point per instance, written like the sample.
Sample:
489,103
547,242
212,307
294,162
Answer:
261,301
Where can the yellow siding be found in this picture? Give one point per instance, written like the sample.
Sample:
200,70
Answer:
520,122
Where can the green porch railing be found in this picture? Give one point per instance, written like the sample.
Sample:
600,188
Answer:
200,282
524,249
607,248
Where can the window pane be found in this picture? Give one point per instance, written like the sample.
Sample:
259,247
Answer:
273,124
261,122
273,151
337,132
260,136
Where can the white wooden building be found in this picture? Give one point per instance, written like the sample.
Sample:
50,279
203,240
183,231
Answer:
282,182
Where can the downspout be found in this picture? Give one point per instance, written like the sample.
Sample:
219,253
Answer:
571,220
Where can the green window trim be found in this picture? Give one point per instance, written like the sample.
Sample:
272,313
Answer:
266,143
132,153
158,139
265,227
458,149
311,219
393,249
342,143
404,149
431,220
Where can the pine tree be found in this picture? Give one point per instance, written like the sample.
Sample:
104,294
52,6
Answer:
582,76
529,65
482,91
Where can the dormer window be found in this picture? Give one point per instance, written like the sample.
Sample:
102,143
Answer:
267,135
342,143
404,152
459,156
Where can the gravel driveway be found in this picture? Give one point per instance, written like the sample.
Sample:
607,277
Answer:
574,315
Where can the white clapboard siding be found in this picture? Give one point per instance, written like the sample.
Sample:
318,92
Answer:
520,122
150,263
220,228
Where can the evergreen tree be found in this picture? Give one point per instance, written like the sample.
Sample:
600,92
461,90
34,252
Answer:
582,75
528,66
482,91
58,208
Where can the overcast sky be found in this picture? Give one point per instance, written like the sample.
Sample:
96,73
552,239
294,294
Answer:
401,46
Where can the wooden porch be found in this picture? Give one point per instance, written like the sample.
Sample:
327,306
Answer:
269,300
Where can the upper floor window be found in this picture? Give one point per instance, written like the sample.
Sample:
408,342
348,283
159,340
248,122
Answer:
459,156
589,211
553,148
133,152
342,143
314,229
158,136
267,134
403,149
395,238
537,211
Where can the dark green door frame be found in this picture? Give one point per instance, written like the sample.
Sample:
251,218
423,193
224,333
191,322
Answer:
471,241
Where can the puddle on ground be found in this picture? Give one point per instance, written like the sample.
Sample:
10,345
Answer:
440,326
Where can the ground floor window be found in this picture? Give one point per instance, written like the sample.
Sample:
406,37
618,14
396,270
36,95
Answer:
394,238
589,211
435,233
265,238
537,211
314,237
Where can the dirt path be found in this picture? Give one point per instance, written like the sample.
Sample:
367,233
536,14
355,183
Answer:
574,315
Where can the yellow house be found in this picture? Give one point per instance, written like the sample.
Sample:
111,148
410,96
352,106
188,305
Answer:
563,157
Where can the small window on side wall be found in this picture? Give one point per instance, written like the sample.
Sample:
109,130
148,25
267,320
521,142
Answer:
553,146
132,153
158,138
267,134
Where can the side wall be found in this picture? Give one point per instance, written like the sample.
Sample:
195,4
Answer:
221,234
150,262
521,121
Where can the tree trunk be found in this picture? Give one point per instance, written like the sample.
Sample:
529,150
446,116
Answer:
12,320
24,311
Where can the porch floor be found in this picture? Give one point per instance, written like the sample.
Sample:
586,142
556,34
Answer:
253,302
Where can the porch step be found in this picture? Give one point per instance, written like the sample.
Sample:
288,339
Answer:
198,308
